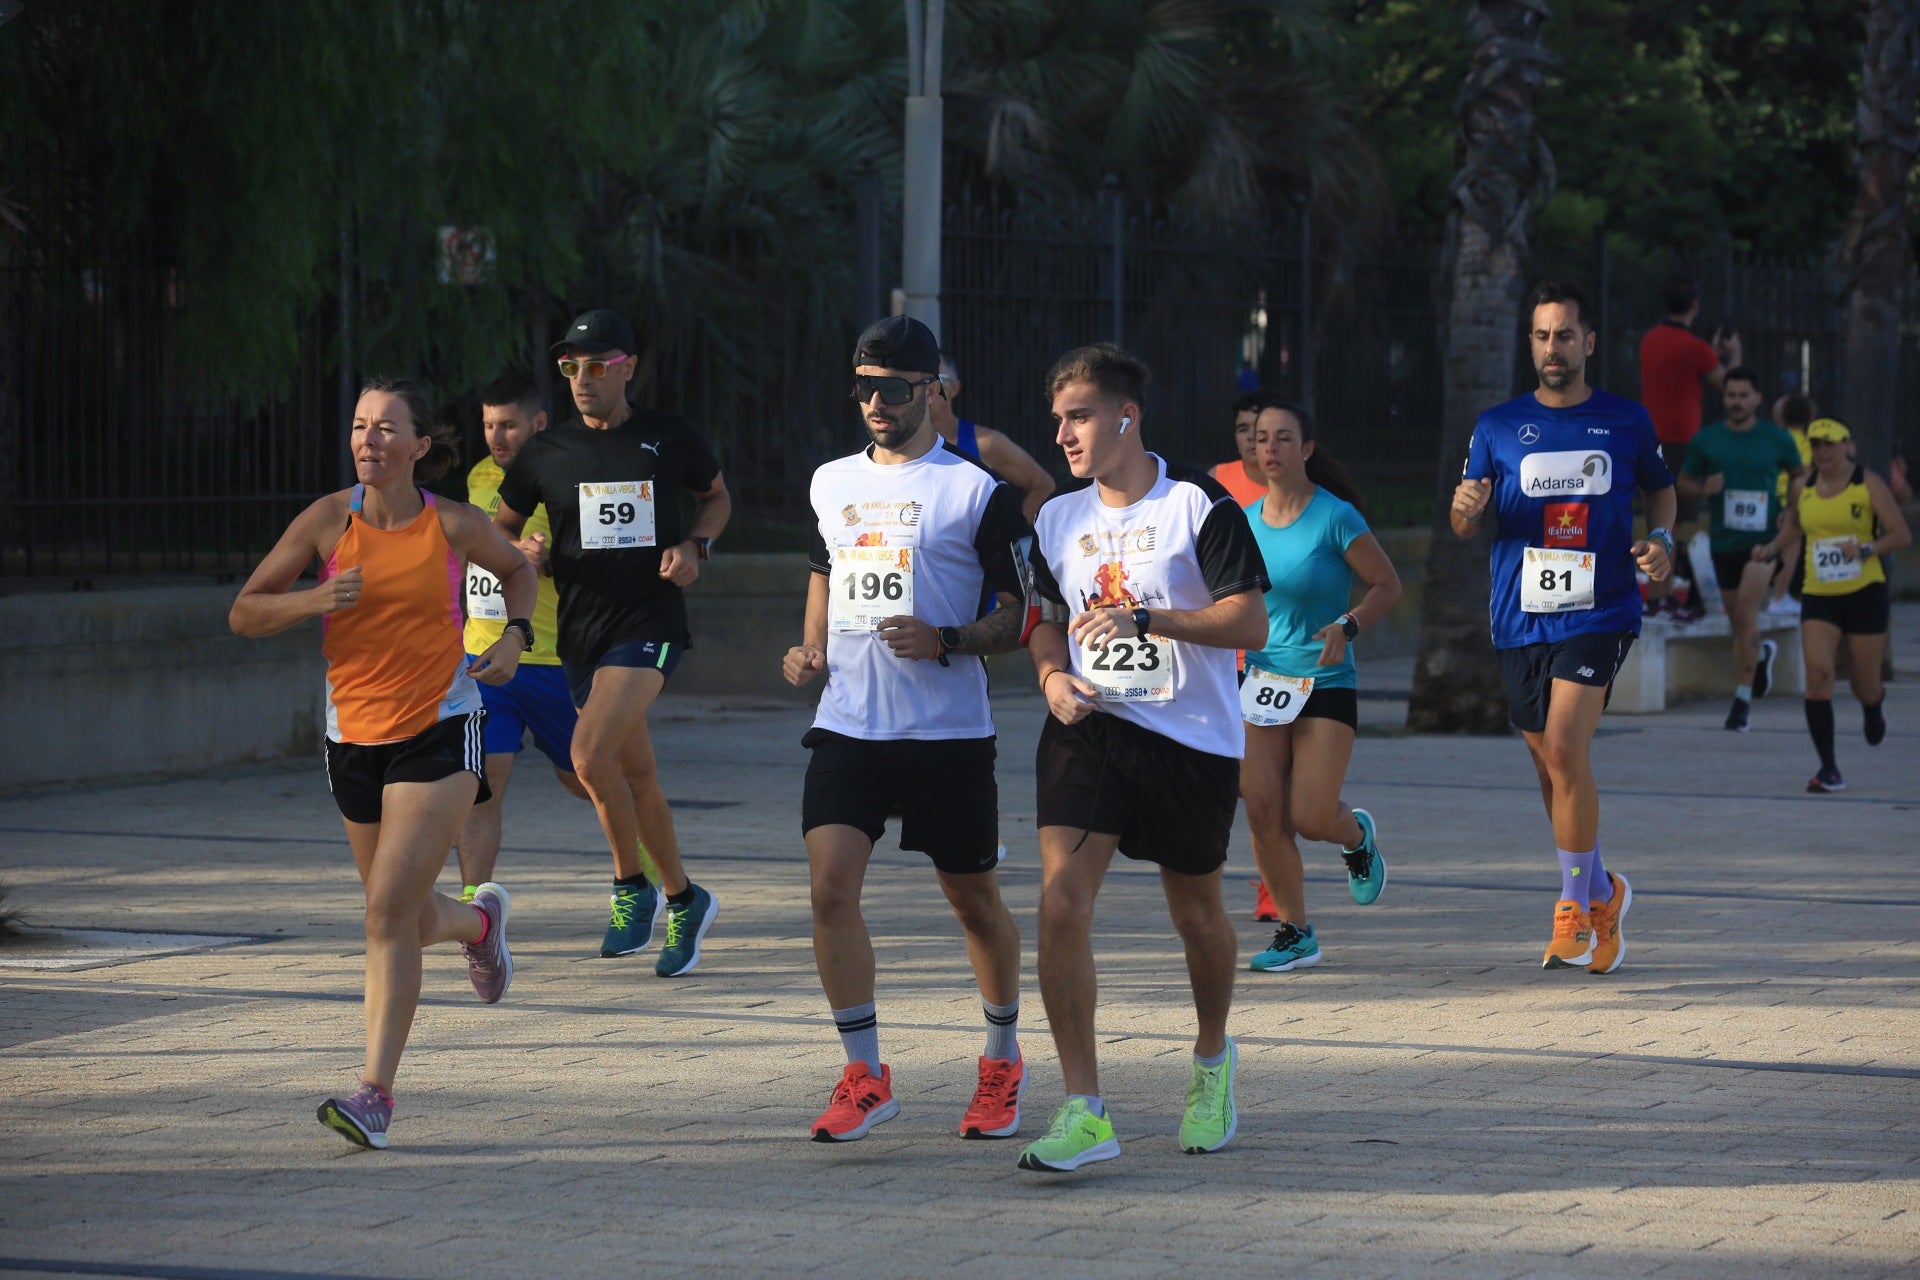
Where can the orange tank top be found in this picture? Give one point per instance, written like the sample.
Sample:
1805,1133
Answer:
395,663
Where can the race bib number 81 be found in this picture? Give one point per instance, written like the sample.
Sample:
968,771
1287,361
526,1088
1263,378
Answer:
1556,581
868,584
1268,698
616,514
1131,670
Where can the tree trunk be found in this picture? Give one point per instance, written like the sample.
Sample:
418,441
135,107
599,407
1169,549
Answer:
1875,257
1501,166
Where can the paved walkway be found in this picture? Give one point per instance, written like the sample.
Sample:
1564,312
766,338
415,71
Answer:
1742,1099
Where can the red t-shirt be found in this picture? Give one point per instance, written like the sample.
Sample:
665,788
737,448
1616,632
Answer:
1673,366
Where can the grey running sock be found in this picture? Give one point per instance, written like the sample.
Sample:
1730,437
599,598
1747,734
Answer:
1002,1023
1214,1061
1093,1101
859,1029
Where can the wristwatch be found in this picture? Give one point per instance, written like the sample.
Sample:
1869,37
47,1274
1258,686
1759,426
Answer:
1140,620
949,639
525,628
1349,625
702,547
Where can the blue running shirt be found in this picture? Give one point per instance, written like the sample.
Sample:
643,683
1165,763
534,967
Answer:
1563,480
1312,586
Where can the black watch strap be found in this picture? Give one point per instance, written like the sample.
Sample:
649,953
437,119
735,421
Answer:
1140,620
1350,625
525,628
703,547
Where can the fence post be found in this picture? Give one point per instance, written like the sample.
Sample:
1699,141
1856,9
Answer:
1116,242
1603,287
343,454
866,275
1306,305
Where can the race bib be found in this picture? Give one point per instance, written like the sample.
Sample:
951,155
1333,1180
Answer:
1131,670
1832,563
486,602
1556,581
1745,510
1269,699
868,584
616,514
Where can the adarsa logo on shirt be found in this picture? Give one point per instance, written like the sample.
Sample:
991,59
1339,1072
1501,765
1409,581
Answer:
1566,524
1568,472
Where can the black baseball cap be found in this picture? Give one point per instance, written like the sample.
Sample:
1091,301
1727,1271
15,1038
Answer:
899,342
597,330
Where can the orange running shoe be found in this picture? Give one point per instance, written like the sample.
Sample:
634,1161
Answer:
1609,943
995,1110
1263,908
860,1101
1572,944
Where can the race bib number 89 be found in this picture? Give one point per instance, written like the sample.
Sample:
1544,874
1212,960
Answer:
1553,581
1268,699
868,584
1745,510
616,514
1131,670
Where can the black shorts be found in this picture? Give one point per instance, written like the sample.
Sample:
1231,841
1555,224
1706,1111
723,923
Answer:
1865,612
1169,804
944,792
1729,565
359,772
1531,669
1329,704
657,655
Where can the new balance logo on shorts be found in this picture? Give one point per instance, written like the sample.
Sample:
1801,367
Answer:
1587,672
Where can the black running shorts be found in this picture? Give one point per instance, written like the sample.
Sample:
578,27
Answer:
1169,804
1865,612
944,792
359,772
1530,671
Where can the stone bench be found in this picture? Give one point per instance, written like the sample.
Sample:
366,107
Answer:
1672,661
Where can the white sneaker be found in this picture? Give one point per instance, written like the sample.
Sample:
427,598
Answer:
1785,607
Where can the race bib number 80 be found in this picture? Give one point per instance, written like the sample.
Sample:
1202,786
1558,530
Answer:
616,514
868,584
1131,670
1268,698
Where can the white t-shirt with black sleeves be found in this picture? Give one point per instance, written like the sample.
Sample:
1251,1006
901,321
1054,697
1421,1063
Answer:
1185,545
939,531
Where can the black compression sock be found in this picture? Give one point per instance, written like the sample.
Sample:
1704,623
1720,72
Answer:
1820,726
683,897
632,884
1874,722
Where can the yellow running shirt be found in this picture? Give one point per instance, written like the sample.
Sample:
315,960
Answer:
486,607
1825,522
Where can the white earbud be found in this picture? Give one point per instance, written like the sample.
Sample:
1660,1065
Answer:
1124,424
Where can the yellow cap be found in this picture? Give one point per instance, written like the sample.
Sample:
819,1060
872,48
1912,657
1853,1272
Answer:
1828,430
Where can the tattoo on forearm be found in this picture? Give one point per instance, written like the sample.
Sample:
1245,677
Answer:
998,632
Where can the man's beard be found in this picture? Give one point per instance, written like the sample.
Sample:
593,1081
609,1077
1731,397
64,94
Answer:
1558,379
900,433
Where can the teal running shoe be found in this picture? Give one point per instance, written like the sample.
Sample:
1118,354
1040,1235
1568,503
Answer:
1366,869
1293,948
630,927
1211,1119
686,925
1076,1137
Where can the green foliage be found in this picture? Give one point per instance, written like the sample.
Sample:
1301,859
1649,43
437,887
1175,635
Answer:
1675,125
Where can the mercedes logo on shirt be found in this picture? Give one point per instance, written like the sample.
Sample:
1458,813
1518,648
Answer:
1529,433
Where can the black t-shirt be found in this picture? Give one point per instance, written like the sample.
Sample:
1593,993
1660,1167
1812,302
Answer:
614,501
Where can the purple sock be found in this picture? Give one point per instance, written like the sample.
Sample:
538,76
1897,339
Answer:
1582,878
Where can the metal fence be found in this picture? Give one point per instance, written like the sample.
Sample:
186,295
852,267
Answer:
109,464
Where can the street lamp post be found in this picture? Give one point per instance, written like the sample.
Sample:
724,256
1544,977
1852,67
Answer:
920,215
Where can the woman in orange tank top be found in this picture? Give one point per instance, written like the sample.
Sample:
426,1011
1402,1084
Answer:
403,714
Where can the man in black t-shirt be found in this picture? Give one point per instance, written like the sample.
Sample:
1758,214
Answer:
611,481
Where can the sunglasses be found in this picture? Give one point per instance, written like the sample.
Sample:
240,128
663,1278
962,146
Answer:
892,390
570,368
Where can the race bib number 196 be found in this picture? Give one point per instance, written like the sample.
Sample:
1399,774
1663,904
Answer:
616,514
1553,581
1268,698
1131,670
868,584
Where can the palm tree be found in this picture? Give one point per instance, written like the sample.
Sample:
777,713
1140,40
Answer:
1875,255
1502,166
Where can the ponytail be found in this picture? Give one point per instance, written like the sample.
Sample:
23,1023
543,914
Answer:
442,451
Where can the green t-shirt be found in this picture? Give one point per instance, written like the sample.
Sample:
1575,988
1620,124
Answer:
1746,512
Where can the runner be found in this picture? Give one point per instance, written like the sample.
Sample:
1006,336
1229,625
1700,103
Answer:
1300,694
910,536
1849,521
1242,476
1155,579
1795,413
611,481
403,716
536,700
1736,463
986,446
1559,467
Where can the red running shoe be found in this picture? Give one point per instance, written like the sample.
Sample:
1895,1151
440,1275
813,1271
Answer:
860,1101
995,1110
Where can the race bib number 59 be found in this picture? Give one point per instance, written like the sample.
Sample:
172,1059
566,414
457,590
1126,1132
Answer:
616,514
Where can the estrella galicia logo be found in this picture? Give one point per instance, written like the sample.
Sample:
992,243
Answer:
1566,473
1529,434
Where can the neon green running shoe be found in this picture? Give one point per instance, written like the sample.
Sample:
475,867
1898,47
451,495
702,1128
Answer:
1076,1137
1211,1119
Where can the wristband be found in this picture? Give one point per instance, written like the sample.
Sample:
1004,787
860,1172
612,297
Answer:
1050,675
1666,539
1349,626
525,628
